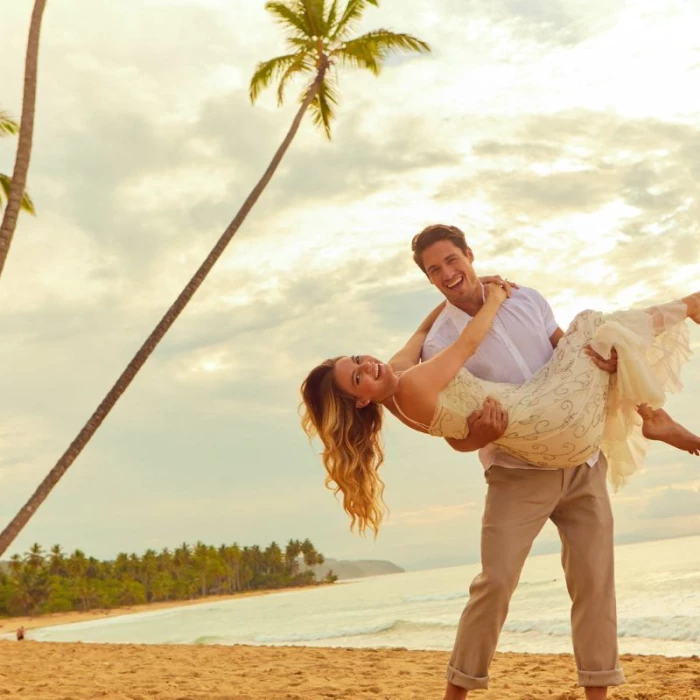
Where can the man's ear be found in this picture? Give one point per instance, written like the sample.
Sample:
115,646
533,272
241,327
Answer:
470,254
361,403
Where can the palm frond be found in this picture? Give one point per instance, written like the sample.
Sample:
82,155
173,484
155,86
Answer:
381,42
315,11
323,106
369,50
267,71
302,64
352,14
359,55
8,126
27,204
302,43
332,16
293,20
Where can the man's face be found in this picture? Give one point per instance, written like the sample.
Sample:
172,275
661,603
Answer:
451,271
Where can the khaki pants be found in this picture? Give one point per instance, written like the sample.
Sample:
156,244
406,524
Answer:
518,504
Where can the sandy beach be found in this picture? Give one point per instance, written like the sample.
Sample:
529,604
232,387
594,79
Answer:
44,671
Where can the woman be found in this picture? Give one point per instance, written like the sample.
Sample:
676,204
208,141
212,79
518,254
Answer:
558,418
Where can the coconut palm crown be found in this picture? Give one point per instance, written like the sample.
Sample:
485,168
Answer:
318,35
9,127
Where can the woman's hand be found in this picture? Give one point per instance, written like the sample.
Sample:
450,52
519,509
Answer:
497,279
495,291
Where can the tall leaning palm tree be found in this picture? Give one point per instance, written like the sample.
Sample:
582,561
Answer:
318,36
15,187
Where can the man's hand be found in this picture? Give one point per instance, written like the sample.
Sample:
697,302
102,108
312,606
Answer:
485,426
609,365
501,282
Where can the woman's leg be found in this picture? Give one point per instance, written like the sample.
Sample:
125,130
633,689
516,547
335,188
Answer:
666,315
658,425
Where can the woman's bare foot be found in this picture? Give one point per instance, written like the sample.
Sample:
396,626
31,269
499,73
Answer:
693,304
658,425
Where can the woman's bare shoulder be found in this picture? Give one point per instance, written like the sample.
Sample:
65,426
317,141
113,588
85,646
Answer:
416,395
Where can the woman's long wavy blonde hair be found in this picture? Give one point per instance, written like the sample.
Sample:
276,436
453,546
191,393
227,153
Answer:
352,451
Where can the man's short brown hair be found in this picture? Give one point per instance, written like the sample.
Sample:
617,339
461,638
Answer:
433,234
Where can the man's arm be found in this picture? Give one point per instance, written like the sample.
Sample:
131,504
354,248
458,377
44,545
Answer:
485,426
556,337
409,355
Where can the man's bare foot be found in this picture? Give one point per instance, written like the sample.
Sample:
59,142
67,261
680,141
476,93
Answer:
455,692
658,425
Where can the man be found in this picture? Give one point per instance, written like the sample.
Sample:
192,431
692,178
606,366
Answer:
520,499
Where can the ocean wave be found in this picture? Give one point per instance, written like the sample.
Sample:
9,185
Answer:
378,629
680,628
437,597
456,595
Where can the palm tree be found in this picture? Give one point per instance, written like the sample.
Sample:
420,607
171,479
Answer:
15,191
318,36
35,556
56,560
9,127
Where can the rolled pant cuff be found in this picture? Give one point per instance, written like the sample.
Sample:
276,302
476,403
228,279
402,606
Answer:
464,681
601,679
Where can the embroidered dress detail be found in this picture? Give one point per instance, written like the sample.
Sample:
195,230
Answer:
569,409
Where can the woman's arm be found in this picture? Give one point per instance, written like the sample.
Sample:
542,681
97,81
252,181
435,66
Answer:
409,355
432,376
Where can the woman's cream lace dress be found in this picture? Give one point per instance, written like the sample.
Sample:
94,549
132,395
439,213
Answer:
570,408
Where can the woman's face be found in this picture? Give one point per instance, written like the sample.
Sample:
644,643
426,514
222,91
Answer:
365,378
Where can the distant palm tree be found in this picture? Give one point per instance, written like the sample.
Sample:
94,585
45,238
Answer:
318,36
15,189
9,127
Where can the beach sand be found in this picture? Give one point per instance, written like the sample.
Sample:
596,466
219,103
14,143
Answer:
49,671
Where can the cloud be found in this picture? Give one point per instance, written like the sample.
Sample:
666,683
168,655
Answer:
432,514
673,503
567,175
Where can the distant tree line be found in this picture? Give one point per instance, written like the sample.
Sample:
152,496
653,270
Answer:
41,582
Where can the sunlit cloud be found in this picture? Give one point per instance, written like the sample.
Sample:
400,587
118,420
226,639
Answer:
563,139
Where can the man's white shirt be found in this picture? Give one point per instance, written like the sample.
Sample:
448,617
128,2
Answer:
515,348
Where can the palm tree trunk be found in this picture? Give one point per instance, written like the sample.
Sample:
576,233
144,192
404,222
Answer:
26,133
76,447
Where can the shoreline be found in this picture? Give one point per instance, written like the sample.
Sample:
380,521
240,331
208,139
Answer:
8,625
50,670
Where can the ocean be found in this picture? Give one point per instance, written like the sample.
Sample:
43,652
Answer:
658,587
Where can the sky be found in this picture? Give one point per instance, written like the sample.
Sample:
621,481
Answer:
562,137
